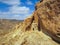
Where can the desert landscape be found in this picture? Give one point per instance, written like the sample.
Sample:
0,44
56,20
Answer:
41,28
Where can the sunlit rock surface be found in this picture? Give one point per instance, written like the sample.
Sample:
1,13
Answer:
42,28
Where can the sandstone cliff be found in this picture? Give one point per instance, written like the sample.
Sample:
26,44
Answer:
47,18
42,28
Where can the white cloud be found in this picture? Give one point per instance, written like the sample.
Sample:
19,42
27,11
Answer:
16,12
17,16
19,10
11,2
29,2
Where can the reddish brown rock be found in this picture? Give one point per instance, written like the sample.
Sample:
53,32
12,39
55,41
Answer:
47,18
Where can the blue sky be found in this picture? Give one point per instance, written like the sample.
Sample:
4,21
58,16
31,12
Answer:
16,9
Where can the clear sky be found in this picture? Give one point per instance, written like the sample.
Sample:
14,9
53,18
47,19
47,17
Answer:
16,9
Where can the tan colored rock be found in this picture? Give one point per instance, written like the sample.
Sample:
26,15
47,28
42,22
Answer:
42,28
47,17
49,14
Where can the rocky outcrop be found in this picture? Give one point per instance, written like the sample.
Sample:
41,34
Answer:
47,18
42,28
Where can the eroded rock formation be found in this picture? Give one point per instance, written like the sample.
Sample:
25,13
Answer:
42,28
47,18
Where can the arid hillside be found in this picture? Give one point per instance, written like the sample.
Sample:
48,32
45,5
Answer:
41,28
7,25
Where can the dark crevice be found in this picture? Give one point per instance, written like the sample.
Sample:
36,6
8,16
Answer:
33,29
29,26
23,43
39,23
58,0
48,5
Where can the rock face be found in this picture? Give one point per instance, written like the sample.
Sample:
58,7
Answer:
47,17
42,28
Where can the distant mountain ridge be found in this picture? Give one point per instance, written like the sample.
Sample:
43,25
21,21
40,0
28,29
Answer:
8,22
